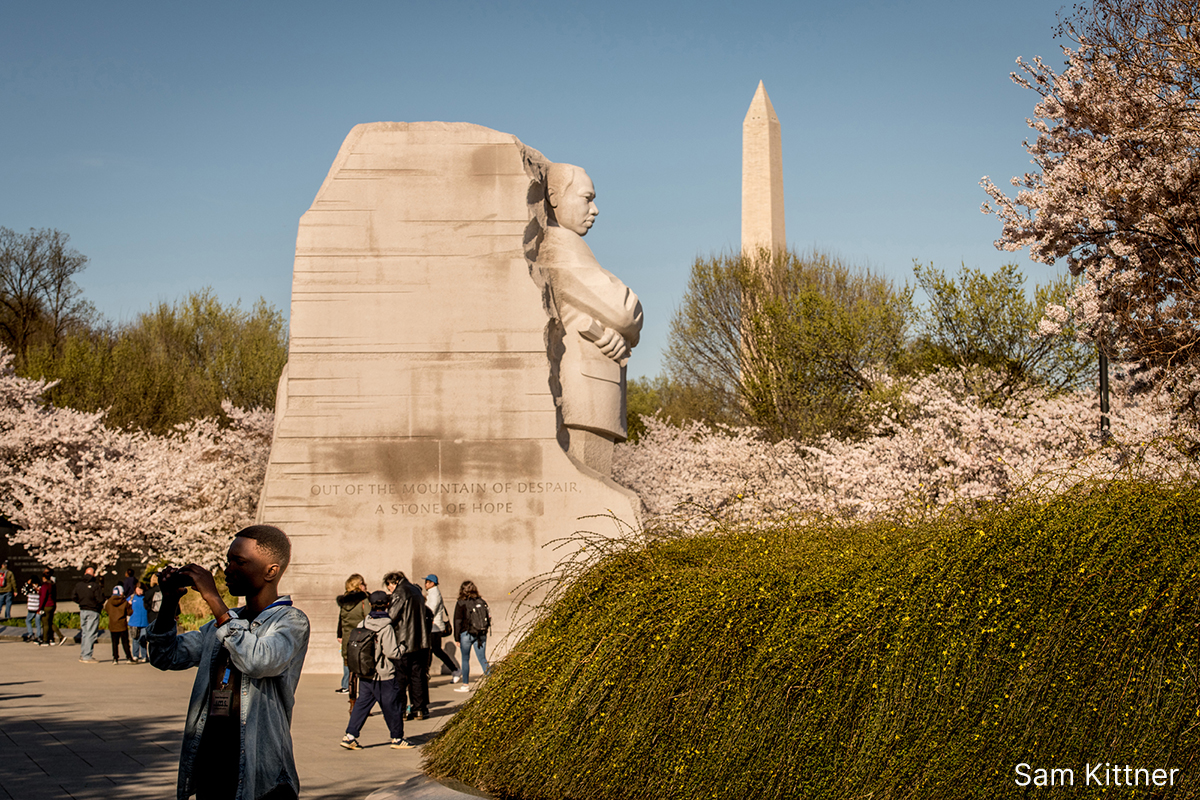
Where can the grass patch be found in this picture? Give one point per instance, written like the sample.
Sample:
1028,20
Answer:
879,660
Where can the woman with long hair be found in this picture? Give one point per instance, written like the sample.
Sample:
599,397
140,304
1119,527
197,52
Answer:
471,623
353,607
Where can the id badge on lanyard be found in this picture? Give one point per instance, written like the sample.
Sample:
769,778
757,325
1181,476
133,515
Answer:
220,702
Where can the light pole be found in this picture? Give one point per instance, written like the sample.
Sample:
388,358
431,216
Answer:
1104,422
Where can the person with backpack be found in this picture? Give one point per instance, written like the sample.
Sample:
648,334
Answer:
353,607
472,621
372,651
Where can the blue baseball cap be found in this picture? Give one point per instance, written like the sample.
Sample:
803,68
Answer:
431,578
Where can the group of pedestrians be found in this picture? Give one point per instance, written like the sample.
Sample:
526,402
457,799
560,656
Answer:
389,639
40,608
131,607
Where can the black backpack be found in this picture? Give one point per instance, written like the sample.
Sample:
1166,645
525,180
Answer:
360,651
478,618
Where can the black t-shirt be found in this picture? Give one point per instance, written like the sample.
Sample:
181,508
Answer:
215,773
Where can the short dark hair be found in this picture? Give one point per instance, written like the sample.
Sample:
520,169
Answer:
271,539
394,577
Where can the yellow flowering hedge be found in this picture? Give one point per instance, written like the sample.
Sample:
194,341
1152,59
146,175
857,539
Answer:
817,660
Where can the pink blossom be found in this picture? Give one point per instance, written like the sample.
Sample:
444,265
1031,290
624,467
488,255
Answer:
83,492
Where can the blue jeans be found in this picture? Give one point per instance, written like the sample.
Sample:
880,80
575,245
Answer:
89,627
137,640
479,645
32,620
345,675
6,602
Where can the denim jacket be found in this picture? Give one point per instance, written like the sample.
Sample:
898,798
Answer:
269,652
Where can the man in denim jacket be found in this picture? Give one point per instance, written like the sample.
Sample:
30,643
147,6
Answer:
237,740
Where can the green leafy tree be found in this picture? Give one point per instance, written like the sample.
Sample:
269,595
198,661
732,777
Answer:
986,327
172,364
675,402
789,343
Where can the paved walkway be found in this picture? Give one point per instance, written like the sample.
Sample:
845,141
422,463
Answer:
101,731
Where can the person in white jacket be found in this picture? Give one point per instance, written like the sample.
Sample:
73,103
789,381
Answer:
440,626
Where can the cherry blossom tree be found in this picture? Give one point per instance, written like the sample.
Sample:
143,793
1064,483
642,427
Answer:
1116,192
84,492
939,445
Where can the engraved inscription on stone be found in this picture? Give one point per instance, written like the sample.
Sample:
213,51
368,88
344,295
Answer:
418,419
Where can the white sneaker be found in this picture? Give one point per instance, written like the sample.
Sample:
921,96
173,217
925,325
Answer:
466,687
455,676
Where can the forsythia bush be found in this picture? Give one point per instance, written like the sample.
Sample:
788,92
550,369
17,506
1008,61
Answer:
869,660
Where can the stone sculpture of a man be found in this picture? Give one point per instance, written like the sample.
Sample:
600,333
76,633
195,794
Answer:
600,315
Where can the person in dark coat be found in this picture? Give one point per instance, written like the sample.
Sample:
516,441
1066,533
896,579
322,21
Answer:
128,583
407,613
89,594
47,606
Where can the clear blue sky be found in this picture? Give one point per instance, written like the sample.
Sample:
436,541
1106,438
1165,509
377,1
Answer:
178,144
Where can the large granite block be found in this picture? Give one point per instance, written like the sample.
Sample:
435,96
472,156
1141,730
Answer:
419,423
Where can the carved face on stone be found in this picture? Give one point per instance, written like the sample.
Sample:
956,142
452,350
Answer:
572,197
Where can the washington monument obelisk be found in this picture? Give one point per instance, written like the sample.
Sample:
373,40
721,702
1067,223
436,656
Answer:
762,177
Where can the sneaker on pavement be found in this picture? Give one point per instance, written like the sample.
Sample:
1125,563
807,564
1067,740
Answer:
350,743
342,691
466,687
88,661
402,744
455,676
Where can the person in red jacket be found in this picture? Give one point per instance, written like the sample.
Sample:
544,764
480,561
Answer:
47,605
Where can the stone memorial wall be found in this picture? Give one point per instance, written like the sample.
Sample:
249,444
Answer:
419,423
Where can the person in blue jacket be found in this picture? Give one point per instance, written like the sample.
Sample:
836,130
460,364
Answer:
237,739
138,620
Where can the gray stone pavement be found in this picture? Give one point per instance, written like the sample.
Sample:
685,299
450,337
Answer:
91,731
